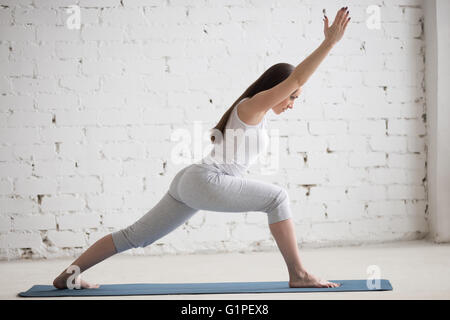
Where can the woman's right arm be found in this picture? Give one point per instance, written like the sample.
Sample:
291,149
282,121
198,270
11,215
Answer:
265,100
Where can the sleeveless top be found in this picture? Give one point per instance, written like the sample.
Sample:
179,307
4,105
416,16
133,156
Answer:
241,145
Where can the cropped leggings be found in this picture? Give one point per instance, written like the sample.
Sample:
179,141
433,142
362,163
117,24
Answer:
203,187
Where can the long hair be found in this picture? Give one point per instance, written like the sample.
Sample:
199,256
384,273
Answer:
270,78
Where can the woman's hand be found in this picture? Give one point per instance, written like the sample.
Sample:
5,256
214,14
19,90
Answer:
334,33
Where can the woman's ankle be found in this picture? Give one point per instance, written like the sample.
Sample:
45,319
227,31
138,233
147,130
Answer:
298,275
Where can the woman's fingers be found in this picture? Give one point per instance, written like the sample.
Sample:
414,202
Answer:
346,23
339,15
342,17
325,23
340,11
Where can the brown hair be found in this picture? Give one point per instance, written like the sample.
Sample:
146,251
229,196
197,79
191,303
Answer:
270,78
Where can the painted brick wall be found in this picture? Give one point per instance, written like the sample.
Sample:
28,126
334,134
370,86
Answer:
86,118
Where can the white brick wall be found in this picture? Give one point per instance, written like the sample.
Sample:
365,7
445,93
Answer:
86,117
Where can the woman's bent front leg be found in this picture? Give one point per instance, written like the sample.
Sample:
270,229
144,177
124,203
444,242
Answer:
221,192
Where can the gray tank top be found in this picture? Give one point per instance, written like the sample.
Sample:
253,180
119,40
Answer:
241,146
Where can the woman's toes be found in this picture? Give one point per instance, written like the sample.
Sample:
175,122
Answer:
87,285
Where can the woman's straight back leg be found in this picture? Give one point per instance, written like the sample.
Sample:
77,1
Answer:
167,215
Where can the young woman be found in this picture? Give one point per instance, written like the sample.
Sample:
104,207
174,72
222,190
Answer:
219,185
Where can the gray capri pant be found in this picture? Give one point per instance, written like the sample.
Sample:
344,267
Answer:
203,187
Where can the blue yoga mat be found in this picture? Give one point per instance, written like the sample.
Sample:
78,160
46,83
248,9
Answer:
136,289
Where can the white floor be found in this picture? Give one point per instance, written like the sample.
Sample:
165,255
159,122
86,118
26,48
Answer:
416,270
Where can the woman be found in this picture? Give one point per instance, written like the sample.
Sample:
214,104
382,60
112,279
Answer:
218,186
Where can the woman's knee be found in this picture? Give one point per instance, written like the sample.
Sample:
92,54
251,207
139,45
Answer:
280,207
131,237
282,196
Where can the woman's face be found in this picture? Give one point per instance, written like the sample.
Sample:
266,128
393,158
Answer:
287,103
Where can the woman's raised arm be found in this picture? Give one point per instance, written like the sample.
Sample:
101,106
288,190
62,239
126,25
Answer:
333,34
265,100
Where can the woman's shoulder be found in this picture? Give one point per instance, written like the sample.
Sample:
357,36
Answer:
246,119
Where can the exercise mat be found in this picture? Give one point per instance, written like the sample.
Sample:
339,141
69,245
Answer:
135,289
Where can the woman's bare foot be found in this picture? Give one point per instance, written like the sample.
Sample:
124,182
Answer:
60,282
308,280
